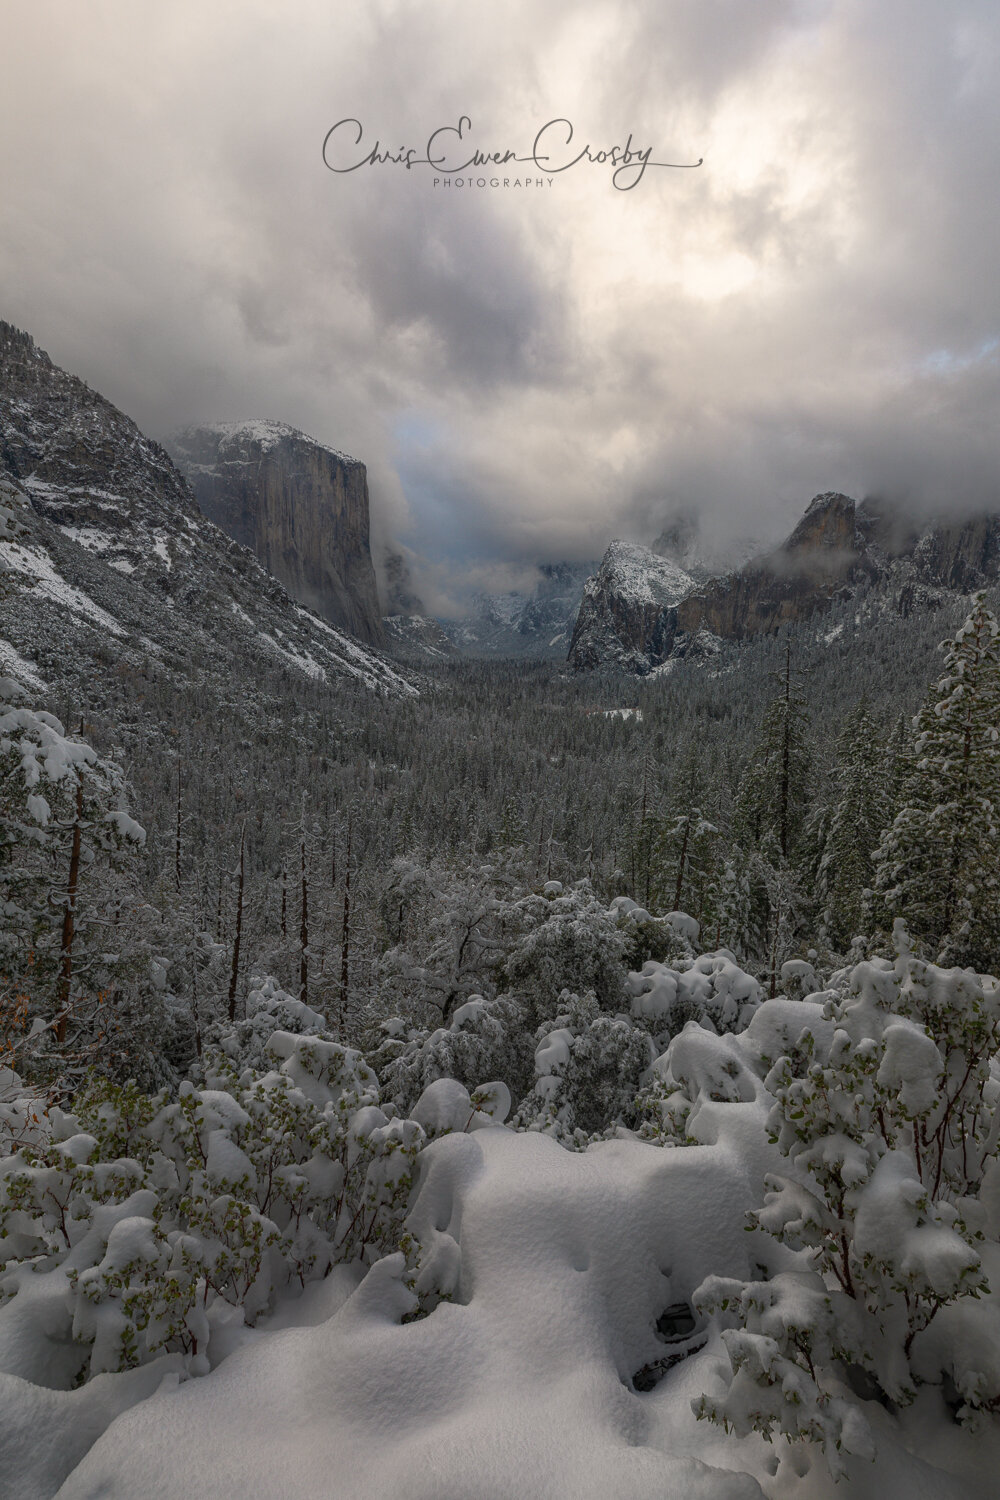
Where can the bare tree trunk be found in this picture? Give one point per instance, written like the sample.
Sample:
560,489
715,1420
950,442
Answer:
235,974
773,979
681,862
69,919
786,747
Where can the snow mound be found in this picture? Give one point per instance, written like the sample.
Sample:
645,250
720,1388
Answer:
520,1387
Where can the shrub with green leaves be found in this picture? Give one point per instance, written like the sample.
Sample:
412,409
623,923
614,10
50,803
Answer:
887,1116
145,1222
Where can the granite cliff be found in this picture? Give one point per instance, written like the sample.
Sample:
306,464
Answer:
837,547
301,506
627,616
110,570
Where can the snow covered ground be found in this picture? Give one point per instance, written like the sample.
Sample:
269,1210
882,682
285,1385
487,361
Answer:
520,1387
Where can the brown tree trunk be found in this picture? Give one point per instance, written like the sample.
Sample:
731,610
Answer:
177,835
304,929
680,865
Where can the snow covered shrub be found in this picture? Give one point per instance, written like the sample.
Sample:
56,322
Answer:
568,940
23,1114
699,1069
147,1221
587,1070
486,1039
887,1115
269,1008
665,939
711,989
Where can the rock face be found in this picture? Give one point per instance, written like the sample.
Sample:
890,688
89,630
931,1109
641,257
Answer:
836,546
110,567
827,549
627,617
300,506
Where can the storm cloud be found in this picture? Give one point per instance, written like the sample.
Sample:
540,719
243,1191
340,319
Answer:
528,371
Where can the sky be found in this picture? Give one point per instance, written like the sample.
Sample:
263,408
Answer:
528,371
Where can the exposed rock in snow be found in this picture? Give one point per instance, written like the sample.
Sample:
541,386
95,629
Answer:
301,506
107,559
624,618
627,619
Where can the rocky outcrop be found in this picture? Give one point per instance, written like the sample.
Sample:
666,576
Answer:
627,616
85,463
836,546
826,550
300,506
112,572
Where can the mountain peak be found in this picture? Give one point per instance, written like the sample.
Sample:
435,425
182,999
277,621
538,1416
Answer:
300,505
829,522
263,433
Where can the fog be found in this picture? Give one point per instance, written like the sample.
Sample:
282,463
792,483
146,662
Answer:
528,371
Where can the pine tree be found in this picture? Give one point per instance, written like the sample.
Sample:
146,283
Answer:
773,793
685,851
937,866
855,824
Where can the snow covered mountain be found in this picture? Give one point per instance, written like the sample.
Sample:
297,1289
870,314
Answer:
300,505
626,607
110,567
631,621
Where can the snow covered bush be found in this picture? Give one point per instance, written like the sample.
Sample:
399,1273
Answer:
269,1008
486,1039
588,1065
886,1114
567,940
711,989
146,1222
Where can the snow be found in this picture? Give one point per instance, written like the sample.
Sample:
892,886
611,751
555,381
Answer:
88,537
258,430
354,659
49,584
16,666
554,1366
299,659
641,576
519,1387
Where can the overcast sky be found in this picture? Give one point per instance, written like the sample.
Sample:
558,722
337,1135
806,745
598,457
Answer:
528,371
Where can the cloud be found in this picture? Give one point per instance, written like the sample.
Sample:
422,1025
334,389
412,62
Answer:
527,372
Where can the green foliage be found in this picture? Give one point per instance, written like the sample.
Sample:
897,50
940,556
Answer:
939,863
888,1121
149,1217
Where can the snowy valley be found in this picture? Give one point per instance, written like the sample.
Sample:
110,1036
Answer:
431,1067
